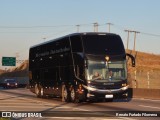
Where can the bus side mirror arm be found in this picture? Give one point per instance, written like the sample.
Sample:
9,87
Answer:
86,63
132,58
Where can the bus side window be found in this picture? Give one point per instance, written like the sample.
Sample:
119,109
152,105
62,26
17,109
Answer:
76,44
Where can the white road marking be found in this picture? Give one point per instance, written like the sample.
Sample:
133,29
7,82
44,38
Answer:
146,99
149,107
62,107
80,109
26,106
26,99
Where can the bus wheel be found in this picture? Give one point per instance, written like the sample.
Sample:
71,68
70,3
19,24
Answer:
37,90
65,94
74,96
42,95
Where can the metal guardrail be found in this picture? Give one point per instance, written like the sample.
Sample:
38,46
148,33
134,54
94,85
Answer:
144,79
144,93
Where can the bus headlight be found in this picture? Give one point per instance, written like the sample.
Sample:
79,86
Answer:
89,81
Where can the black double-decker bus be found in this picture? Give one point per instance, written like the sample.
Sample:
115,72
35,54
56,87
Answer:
79,67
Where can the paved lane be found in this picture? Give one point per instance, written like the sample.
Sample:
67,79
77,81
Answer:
24,100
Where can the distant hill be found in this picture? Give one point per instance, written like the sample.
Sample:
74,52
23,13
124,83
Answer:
147,70
1,71
24,66
20,71
146,61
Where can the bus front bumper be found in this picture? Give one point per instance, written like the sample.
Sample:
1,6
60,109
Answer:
106,91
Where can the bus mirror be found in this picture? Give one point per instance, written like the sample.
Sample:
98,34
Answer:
132,59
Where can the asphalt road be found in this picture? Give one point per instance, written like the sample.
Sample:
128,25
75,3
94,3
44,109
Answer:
24,103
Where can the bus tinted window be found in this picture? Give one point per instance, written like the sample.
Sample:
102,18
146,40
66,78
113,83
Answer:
103,44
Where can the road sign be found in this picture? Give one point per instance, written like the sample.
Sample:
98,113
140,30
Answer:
8,61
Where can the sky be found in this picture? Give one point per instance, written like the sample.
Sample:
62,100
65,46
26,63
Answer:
24,23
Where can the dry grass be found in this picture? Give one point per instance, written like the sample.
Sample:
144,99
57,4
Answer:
147,70
146,61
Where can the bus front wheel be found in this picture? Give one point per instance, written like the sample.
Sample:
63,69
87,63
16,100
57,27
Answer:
74,97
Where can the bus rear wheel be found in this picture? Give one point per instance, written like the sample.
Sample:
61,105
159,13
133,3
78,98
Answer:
42,94
65,94
37,90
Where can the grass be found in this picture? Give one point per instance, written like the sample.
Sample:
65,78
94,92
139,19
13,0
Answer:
145,63
5,118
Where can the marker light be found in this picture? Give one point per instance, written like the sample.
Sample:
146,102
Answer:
123,85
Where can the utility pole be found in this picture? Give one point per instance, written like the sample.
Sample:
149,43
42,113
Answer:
17,56
78,28
109,24
95,27
134,47
128,36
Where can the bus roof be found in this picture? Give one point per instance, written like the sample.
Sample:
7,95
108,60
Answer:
73,34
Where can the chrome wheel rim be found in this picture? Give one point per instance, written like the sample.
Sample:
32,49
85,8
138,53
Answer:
73,95
36,90
65,93
41,91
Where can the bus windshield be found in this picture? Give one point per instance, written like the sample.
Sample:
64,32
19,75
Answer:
103,44
113,70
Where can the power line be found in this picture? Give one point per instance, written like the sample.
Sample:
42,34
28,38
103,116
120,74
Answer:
35,26
150,34
45,26
55,26
59,32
